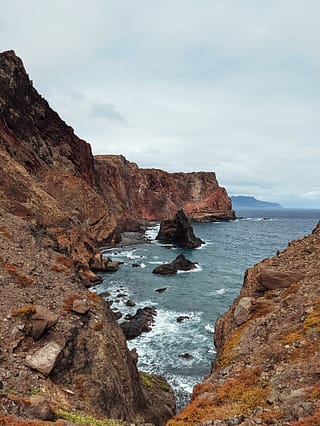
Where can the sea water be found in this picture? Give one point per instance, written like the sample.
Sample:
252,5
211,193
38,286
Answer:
203,294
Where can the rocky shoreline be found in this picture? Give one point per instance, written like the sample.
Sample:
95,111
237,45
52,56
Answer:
63,354
266,370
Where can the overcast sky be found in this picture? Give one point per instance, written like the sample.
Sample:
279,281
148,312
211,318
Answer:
229,86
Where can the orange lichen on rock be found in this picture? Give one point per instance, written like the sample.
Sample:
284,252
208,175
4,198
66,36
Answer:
94,297
68,302
5,233
19,278
65,261
24,311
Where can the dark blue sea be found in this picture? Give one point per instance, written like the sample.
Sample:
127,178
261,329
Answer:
204,294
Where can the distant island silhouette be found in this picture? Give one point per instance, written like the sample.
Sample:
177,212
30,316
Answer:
246,201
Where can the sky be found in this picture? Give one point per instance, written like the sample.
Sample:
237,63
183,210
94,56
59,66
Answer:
229,86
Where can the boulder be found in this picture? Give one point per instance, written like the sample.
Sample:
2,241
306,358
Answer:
161,290
183,264
272,279
40,322
139,323
40,408
80,307
180,263
112,266
185,356
165,269
243,310
130,303
45,358
178,231
182,318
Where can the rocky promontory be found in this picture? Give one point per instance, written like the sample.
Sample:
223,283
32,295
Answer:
59,343
267,366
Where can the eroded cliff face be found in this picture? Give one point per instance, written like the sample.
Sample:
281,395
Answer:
57,205
153,195
267,367
57,340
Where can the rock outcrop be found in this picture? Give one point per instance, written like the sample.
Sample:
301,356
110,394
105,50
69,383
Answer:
57,339
139,323
153,195
58,204
180,263
178,231
267,366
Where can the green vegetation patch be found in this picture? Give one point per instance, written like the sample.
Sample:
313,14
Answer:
83,419
154,382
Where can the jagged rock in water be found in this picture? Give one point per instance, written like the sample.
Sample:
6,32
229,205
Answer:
265,346
139,323
178,231
180,263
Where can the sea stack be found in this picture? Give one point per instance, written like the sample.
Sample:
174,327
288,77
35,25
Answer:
178,231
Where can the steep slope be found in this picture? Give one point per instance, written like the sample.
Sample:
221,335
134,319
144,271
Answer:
57,205
267,366
56,339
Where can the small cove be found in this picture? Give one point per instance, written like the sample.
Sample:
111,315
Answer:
202,295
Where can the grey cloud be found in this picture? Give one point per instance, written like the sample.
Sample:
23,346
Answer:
106,111
226,86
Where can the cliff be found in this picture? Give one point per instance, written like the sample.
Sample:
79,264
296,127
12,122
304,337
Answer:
267,366
153,195
57,205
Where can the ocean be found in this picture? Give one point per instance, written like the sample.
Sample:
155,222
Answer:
201,295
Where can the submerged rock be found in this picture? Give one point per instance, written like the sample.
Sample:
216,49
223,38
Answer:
161,290
178,231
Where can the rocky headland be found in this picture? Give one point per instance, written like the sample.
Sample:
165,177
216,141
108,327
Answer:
267,367
62,352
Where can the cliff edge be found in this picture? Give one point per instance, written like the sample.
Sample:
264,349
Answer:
61,349
267,366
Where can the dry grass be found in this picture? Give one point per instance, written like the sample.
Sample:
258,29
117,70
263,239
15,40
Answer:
231,348
93,297
240,395
313,319
308,421
24,311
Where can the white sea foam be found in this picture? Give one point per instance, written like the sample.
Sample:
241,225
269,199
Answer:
198,268
209,328
258,219
152,232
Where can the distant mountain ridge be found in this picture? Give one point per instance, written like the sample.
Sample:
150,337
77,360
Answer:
245,201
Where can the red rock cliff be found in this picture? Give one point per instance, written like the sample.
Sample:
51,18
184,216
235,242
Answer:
152,194
57,203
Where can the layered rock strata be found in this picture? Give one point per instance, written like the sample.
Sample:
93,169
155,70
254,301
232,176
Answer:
267,366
